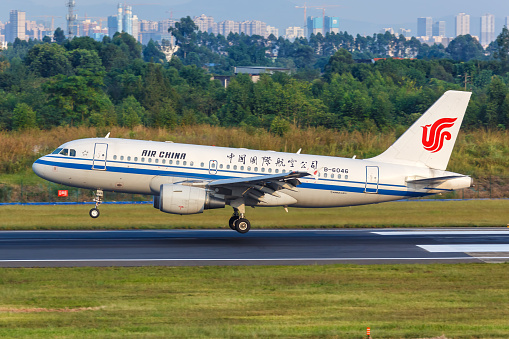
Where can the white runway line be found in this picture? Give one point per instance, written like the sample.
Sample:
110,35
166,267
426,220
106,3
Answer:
475,248
506,232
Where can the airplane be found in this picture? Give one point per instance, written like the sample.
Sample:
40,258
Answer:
188,179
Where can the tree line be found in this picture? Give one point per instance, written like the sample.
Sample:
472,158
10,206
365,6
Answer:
120,82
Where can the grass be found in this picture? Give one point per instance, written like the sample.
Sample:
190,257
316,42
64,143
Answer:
393,214
337,301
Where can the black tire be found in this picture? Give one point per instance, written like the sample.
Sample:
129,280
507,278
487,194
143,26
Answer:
231,222
242,225
94,213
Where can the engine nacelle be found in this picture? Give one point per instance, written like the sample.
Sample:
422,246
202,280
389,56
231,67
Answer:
180,199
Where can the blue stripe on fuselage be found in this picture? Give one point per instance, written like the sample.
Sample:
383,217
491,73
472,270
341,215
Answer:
208,176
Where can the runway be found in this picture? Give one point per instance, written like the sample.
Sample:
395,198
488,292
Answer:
258,247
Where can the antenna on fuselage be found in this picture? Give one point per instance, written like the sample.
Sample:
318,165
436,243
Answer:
298,152
107,135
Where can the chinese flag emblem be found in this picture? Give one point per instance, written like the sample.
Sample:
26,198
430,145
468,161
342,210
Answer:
63,193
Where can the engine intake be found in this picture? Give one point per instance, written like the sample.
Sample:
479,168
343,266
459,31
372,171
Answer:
180,199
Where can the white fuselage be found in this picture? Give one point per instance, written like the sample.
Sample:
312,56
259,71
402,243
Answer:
135,166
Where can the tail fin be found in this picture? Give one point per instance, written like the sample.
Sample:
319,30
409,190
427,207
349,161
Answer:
430,140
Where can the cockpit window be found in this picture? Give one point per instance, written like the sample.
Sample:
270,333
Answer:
65,151
72,152
57,151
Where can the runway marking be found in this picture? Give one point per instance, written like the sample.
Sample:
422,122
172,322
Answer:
477,248
506,232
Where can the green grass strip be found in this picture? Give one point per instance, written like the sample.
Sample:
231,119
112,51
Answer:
337,301
479,213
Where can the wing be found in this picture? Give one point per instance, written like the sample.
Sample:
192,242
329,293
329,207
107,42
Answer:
254,187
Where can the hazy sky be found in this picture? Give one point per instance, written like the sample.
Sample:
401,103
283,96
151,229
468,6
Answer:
364,17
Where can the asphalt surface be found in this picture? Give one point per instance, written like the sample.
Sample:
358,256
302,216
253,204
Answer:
258,247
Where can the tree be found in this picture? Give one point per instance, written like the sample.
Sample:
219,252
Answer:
130,113
47,60
23,117
502,43
184,33
340,63
465,48
59,36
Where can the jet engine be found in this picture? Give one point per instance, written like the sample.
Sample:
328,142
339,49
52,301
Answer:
180,199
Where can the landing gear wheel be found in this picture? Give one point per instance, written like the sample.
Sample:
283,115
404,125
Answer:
94,212
232,221
242,225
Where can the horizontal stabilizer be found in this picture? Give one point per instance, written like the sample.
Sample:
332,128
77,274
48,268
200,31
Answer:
434,181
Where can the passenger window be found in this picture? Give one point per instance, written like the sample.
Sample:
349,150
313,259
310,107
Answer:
135,158
129,158
277,170
346,177
221,166
157,161
202,164
332,176
270,170
325,175
184,163
142,159
171,162
249,168
114,157
149,159
227,166
241,168
121,157
256,169
234,167
164,161
177,162
339,176
191,163
263,169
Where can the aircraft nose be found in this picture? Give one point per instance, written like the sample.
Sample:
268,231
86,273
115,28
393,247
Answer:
38,168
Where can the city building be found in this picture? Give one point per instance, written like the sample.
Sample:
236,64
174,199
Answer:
407,33
315,25
123,21
387,29
272,30
205,23
439,29
487,29
16,28
331,25
507,22
462,24
292,33
228,26
425,26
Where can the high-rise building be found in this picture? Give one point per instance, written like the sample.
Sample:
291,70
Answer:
16,27
204,23
462,24
507,22
331,24
272,30
424,26
487,29
439,29
315,25
291,33
228,26
122,21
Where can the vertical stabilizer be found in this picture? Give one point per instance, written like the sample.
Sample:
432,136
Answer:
430,140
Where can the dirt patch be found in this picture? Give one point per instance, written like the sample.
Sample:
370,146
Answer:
49,310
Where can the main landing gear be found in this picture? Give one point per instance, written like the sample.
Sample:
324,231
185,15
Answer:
94,212
238,223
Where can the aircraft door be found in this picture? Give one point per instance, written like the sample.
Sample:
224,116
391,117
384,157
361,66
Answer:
100,153
213,167
372,173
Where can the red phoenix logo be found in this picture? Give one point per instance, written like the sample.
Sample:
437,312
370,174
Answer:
433,136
